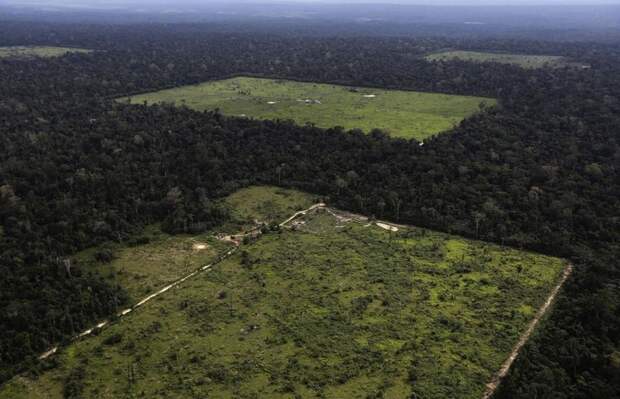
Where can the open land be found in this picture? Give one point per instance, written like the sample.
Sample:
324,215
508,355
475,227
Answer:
38,51
332,305
154,259
406,114
522,60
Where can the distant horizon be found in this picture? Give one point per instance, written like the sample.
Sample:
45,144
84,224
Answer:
426,3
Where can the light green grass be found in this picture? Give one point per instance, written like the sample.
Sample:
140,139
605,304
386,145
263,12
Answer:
144,269
522,60
38,51
325,311
267,203
405,114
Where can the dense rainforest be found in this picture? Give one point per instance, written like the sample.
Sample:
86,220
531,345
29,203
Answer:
540,171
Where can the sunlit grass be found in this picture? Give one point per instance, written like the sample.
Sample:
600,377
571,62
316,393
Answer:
338,310
407,114
38,51
522,60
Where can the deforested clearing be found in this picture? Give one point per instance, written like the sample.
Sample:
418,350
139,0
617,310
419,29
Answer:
38,51
523,60
324,306
400,113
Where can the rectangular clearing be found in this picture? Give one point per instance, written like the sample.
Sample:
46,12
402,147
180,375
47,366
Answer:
38,51
333,306
522,60
406,114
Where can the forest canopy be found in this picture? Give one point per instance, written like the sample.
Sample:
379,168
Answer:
540,171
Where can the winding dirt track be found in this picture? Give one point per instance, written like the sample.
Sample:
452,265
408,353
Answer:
301,213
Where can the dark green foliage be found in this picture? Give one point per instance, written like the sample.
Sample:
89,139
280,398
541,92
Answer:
541,171
142,240
74,385
113,339
104,255
359,305
190,215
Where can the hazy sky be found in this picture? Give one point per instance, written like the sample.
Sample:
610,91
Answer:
446,2
420,2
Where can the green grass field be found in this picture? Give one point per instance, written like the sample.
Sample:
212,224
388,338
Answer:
38,51
522,60
266,204
401,113
143,269
163,259
330,309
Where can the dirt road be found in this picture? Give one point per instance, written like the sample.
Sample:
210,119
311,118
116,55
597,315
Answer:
491,387
301,213
503,371
154,295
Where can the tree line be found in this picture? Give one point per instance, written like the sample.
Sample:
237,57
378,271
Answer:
539,172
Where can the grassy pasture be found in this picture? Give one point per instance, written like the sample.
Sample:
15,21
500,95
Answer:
155,259
266,204
143,269
329,310
405,114
38,51
522,60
